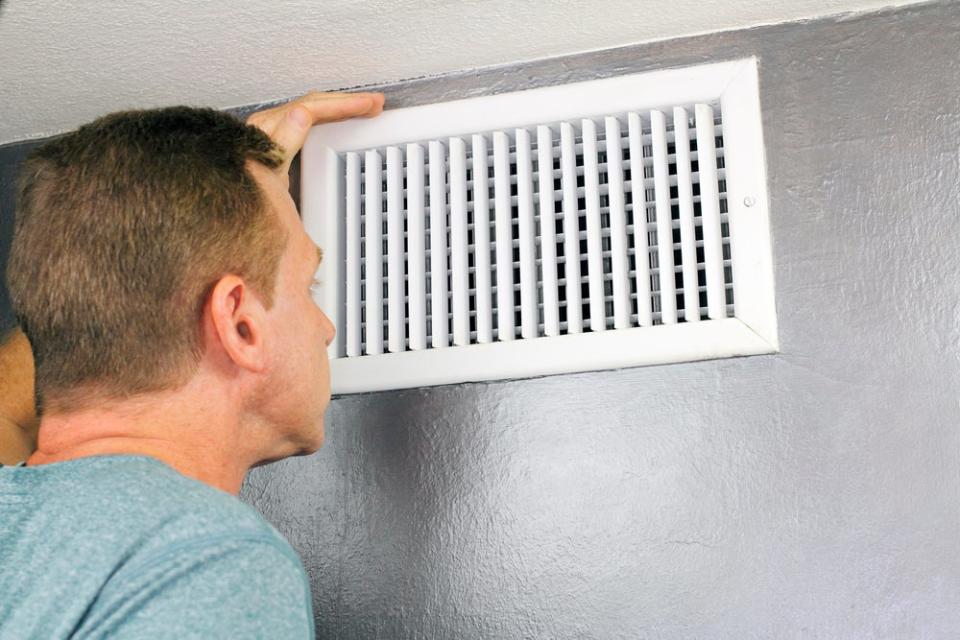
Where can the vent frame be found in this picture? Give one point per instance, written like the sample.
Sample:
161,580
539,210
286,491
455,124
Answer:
752,329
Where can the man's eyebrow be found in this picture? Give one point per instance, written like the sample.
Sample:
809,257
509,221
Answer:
319,254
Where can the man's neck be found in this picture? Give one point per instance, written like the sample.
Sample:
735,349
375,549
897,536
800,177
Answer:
200,439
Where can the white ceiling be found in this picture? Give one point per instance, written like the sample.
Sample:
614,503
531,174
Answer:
64,63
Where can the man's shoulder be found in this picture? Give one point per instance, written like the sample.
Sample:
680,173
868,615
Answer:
173,507
206,546
106,541
139,503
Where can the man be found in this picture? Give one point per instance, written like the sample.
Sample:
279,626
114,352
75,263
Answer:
163,278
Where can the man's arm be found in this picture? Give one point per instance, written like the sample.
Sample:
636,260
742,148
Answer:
18,420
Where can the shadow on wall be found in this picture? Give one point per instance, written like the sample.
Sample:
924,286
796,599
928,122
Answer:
11,156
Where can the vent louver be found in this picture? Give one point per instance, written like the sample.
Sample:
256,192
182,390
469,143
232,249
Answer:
467,245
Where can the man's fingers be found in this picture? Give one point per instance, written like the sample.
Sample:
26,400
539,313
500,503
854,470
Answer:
333,107
288,124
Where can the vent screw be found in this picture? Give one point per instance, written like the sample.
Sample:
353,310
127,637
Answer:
749,201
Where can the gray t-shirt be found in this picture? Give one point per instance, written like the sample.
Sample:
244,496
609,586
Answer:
126,547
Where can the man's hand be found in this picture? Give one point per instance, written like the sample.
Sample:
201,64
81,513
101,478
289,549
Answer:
288,124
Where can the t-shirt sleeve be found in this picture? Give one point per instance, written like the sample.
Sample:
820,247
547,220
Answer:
207,588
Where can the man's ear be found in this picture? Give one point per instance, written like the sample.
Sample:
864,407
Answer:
237,320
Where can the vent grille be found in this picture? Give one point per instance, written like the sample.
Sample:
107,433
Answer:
437,229
611,223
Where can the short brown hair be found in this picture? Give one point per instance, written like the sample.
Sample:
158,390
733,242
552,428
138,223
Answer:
122,228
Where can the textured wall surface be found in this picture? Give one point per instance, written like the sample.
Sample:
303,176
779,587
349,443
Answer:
64,63
814,493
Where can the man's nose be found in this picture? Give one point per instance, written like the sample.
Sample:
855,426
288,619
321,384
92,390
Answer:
329,330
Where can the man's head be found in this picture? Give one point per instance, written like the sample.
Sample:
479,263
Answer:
126,228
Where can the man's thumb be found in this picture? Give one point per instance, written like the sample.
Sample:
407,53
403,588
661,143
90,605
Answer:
292,131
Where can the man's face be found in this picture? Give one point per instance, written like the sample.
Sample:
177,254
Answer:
298,331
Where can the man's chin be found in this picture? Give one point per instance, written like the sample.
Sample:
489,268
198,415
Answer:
313,443
313,448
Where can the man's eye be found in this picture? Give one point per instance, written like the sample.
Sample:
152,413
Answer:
315,283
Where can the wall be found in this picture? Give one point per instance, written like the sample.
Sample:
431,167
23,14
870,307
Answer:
815,493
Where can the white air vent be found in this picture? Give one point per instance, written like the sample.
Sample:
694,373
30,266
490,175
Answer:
603,224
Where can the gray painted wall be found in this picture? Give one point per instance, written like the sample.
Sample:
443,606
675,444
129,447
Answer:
815,493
